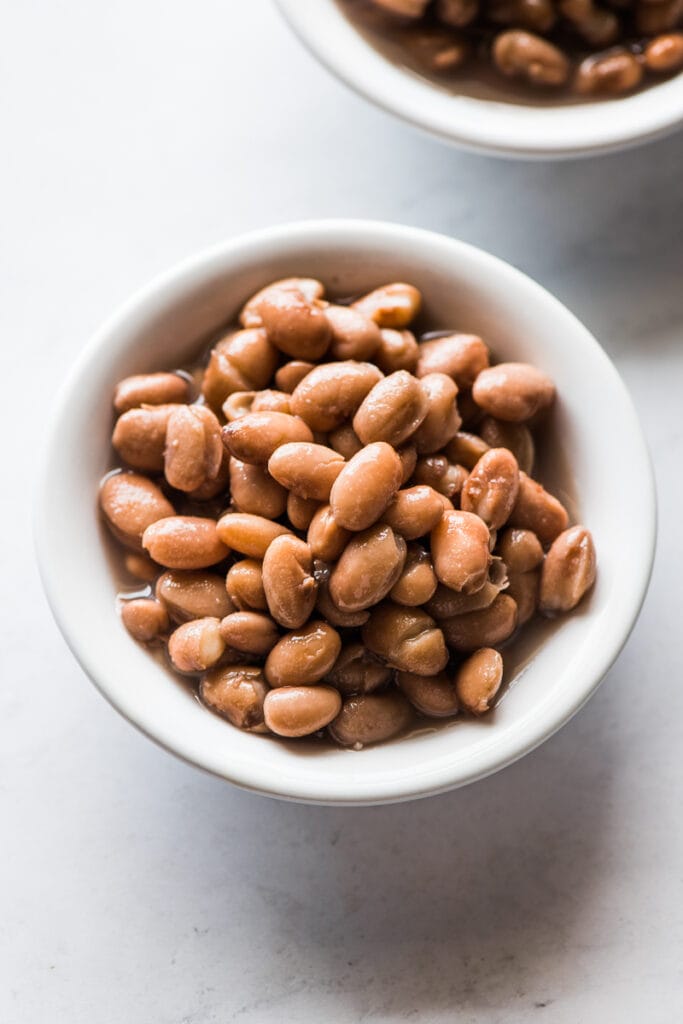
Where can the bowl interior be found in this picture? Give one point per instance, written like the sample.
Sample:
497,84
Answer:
593,450
487,125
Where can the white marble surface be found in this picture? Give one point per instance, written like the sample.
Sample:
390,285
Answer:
137,889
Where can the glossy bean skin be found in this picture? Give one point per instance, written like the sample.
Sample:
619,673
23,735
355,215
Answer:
249,534
332,392
345,440
391,305
244,586
326,538
184,542
664,53
442,476
414,511
520,550
460,551
144,618
254,490
513,392
343,620
520,54
357,671
488,627
212,488
306,469
368,568
196,645
403,8
535,15
524,588
140,437
193,594
417,582
249,632
491,489
371,718
354,336
365,486
288,376
309,287
408,456
478,680
456,13
236,692
397,350
515,436
538,510
300,511
445,603
303,657
240,361
466,449
193,451
653,18
612,73
392,411
434,696
237,404
140,567
254,437
150,389
568,571
288,581
406,638
294,711
442,421
272,400
460,356
130,503
294,324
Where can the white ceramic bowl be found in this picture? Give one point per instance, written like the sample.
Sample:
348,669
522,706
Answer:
597,447
483,125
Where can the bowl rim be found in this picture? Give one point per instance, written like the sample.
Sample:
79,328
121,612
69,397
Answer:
439,778
482,125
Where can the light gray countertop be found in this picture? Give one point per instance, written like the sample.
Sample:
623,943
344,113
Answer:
137,889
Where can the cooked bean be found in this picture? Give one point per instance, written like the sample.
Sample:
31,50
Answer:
249,534
236,692
311,289
520,550
212,488
193,452
460,550
460,356
253,490
354,336
446,602
490,490
371,718
487,627
414,511
478,680
665,53
184,542
365,486
294,324
131,503
403,8
327,608
196,645
538,511
515,436
596,25
392,305
326,538
417,581
291,374
523,588
300,511
466,449
456,13
442,421
303,657
513,392
288,581
237,404
568,571
408,456
150,389
536,15
306,469
300,710
519,54
434,696
368,568
255,436
141,566
392,411
140,436
397,350
249,632
345,440
469,411
244,586
653,18
437,472
331,393
144,618
221,380
406,638
271,400
610,73
357,671
240,361
188,594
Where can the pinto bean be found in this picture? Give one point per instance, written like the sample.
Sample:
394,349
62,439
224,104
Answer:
184,542
331,393
515,436
303,657
193,451
240,361
254,437
249,632
354,336
294,711
466,449
294,324
356,670
568,571
288,581
244,586
144,618
664,53
519,54
300,511
446,603
130,503
193,594
514,392
271,400
520,550
140,437
306,469
329,610
365,486
326,538
414,512
487,627
490,490
196,645
150,389
460,356
442,421
460,550
397,350
345,441
417,581
392,305
254,490
478,680
141,567
434,696
309,287
610,73
371,718
392,411
437,472
538,511
236,692
249,534
406,638
523,588
291,374
368,568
